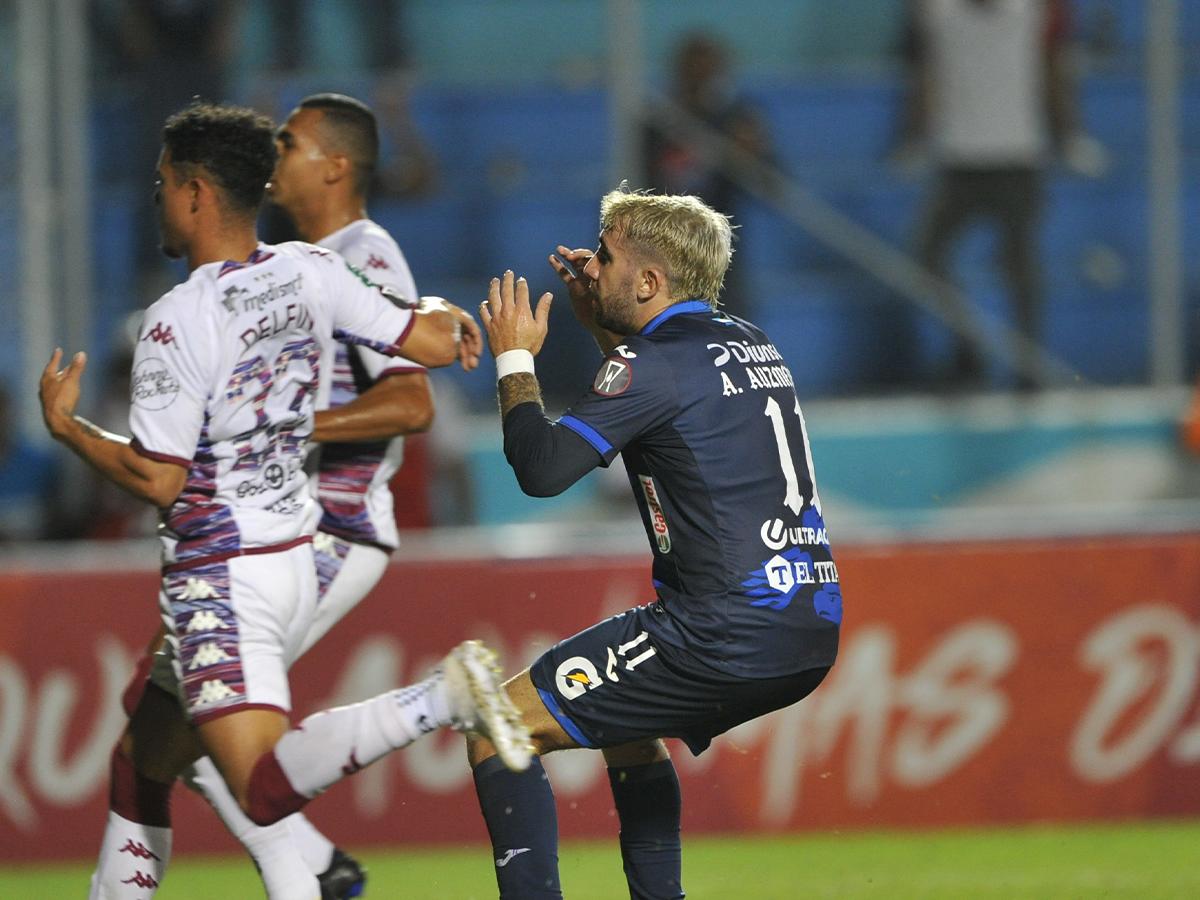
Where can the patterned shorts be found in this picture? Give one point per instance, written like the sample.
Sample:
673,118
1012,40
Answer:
234,627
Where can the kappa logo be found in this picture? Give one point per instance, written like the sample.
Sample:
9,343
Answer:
209,654
160,335
353,765
214,691
376,262
142,880
614,378
197,589
138,849
205,620
324,542
510,855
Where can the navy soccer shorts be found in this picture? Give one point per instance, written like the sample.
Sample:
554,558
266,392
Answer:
615,683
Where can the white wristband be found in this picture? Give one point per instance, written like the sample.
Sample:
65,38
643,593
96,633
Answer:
510,362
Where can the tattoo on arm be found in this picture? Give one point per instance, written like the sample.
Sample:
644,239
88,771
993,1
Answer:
518,388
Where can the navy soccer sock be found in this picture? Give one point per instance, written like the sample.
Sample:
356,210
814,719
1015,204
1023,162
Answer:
523,823
648,804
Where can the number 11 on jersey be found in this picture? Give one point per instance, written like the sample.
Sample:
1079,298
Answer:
792,497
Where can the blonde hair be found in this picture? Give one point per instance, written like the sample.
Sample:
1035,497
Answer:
693,241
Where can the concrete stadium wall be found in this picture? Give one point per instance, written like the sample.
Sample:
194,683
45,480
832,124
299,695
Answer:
978,683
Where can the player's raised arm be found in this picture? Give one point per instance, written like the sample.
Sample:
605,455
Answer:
546,458
434,333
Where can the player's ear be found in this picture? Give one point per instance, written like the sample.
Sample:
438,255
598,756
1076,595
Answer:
339,167
650,281
196,187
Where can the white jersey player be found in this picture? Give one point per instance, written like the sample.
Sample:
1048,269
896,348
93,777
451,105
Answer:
224,389
357,530
225,376
369,401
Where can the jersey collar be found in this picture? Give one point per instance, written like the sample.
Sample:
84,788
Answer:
676,309
260,254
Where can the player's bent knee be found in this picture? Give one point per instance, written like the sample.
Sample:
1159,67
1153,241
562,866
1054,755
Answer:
268,795
546,734
640,753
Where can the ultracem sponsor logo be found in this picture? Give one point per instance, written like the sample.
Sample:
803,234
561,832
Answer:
775,535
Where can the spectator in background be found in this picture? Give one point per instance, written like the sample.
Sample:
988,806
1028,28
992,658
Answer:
27,478
409,168
676,163
991,100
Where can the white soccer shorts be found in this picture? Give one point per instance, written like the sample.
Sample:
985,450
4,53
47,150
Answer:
234,628
346,573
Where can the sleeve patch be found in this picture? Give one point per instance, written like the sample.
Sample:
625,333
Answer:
154,387
614,378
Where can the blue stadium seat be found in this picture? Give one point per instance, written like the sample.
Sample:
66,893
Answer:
837,330
766,241
472,129
439,235
829,122
519,231
1113,108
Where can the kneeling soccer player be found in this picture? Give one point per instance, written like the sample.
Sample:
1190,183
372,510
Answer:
703,411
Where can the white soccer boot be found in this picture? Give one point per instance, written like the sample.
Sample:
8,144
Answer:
480,703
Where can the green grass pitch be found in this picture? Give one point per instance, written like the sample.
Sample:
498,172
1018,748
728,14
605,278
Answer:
1138,860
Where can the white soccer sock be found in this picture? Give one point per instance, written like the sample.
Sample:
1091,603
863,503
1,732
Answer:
133,859
338,742
283,868
314,847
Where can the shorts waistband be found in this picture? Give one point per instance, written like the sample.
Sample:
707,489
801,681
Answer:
246,551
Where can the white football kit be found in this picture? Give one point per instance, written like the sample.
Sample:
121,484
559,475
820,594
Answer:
357,530
224,382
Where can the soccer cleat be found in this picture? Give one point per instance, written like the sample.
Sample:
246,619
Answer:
344,878
481,704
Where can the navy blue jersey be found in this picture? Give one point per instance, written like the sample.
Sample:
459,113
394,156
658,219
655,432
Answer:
703,411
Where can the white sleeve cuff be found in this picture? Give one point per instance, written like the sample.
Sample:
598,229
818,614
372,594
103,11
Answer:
510,362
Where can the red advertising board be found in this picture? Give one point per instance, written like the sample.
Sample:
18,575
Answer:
977,683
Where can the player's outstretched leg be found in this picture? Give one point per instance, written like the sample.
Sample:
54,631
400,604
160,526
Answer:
645,790
464,692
